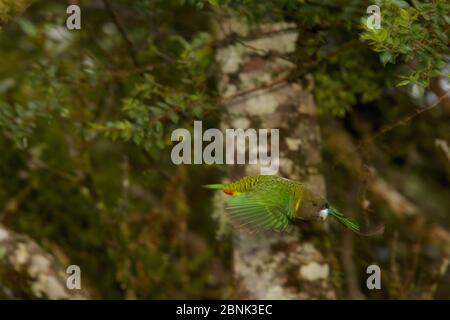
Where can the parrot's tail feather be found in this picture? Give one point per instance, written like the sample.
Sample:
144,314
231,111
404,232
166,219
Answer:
215,186
344,220
375,231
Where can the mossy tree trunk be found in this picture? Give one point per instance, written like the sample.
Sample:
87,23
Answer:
253,72
29,272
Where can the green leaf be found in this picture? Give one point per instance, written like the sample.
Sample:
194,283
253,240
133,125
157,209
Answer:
403,83
197,112
387,57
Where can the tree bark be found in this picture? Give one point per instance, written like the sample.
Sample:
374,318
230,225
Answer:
439,91
256,94
29,272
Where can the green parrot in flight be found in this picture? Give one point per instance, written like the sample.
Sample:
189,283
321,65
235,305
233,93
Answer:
262,203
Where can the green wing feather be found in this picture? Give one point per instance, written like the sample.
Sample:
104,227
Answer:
254,213
344,220
261,210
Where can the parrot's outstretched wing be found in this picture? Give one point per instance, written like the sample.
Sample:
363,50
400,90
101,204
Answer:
260,211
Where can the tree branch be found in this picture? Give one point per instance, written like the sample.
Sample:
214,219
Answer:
29,272
118,23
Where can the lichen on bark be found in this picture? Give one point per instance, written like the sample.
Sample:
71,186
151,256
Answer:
29,272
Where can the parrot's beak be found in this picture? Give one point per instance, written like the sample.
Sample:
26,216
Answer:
323,214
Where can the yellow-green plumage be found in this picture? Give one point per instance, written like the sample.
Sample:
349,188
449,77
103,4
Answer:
272,203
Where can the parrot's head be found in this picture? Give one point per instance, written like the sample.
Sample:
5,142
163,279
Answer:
313,206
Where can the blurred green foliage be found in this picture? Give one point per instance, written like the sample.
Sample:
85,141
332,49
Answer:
346,71
417,34
87,169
